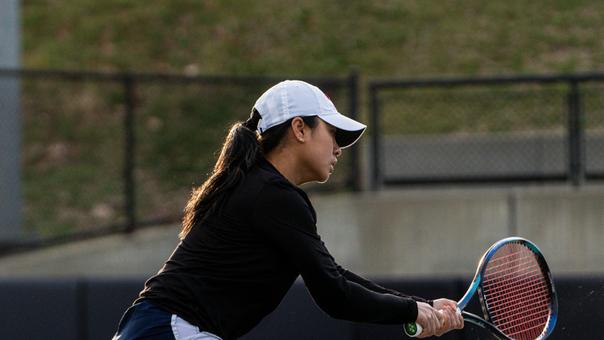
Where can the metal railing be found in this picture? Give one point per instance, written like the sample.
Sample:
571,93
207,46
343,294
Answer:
486,130
128,129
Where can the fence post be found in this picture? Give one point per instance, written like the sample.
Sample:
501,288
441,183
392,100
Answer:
576,164
11,189
354,177
129,145
376,179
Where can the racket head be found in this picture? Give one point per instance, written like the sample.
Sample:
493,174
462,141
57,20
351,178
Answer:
516,290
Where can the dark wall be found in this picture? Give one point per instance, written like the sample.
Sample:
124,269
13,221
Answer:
89,309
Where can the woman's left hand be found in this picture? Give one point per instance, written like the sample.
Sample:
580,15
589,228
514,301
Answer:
452,319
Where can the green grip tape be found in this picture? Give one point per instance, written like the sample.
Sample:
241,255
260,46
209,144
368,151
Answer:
412,329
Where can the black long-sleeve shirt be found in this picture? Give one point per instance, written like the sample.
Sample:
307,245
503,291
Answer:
234,268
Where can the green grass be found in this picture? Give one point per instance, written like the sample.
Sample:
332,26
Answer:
380,38
72,149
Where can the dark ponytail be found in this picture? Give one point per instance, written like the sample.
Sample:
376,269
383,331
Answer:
241,149
239,153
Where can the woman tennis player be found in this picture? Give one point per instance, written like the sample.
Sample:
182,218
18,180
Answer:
249,231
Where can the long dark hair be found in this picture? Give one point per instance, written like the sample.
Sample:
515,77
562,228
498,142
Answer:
241,149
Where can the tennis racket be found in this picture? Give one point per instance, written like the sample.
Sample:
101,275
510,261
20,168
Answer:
516,292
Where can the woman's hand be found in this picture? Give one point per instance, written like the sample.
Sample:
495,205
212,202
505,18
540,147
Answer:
452,319
429,318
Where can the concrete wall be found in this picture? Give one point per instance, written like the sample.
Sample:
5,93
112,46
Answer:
445,231
427,232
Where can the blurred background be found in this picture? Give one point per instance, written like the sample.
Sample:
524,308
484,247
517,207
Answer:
486,120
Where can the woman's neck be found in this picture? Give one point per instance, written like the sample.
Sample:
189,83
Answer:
286,164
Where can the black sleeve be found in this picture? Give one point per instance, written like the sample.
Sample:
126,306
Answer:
377,288
284,218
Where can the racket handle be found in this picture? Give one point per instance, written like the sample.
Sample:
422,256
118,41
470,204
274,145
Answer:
412,329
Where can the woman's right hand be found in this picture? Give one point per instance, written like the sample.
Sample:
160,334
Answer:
429,318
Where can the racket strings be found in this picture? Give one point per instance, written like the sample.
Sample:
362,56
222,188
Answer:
523,286
532,300
516,292
529,272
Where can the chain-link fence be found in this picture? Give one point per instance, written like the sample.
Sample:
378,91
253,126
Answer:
104,152
487,130
593,110
111,151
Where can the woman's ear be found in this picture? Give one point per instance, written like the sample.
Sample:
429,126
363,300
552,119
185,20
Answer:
298,129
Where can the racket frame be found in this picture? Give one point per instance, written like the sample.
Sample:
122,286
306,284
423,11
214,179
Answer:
476,286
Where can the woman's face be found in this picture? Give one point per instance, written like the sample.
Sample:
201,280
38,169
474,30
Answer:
321,152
